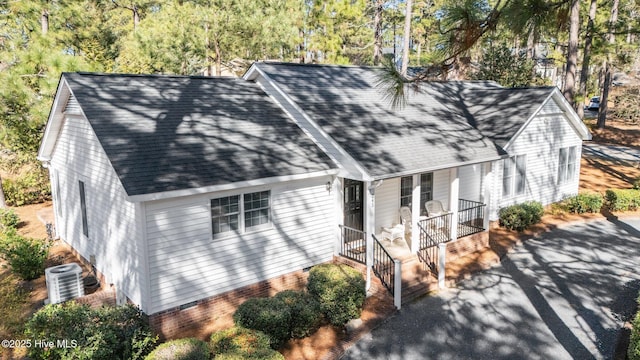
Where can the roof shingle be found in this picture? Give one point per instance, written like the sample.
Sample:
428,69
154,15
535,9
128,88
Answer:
164,133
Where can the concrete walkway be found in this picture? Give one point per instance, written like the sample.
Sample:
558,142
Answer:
612,152
563,295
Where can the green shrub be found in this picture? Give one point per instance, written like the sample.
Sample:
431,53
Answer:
269,315
8,219
520,216
181,349
622,199
120,332
306,315
585,202
340,290
25,256
241,343
633,351
31,188
636,184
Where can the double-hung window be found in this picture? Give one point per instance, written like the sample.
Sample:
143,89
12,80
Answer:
426,191
514,175
230,215
406,190
225,213
567,162
257,209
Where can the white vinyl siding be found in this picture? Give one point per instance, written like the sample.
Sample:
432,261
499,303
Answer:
471,182
541,142
114,239
386,198
185,265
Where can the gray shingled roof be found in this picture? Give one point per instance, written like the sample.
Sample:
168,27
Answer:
164,133
346,102
496,111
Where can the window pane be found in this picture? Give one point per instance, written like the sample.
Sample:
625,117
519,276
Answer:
507,176
562,166
521,174
426,191
256,209
224,214
406,188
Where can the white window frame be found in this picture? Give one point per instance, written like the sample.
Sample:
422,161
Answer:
84,215
514,168
242,213
567,164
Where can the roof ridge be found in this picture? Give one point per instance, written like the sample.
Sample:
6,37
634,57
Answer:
168,76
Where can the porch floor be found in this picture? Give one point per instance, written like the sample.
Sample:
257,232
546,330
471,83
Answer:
398,248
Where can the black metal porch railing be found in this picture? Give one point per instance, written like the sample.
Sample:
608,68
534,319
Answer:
433,231
353,244
383,266
470,217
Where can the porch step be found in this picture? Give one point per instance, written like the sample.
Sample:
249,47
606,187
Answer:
417,281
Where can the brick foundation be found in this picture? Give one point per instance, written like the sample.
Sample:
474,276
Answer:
219,309
467,245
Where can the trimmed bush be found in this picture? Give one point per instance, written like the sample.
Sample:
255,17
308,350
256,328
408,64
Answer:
31,188
633,351
8,219
340,290
306,315
240,343
520,216
109,332
622,199
585,202
269,315
181,349
25,256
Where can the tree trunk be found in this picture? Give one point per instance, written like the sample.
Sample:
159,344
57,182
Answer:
44,21
604,99
407,36
377,35
136,17
572,52
3,203
584,73
218,58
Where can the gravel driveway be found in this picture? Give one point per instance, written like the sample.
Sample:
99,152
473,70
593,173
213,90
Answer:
563,295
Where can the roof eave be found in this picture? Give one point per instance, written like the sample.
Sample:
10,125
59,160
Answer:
439,167
230,186
54,121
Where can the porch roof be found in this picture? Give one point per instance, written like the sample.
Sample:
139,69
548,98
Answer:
346,103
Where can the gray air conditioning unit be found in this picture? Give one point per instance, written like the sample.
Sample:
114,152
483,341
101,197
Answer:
64,282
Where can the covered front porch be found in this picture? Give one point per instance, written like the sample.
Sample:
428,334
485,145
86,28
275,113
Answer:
396,224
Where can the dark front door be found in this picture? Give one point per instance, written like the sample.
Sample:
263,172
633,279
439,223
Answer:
353,201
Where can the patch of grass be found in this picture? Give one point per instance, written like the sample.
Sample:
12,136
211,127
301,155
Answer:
13,305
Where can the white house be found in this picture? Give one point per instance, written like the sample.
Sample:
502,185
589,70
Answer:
188,189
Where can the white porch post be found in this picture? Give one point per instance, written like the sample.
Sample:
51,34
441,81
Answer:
454,190
488,185
415,214
369,226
